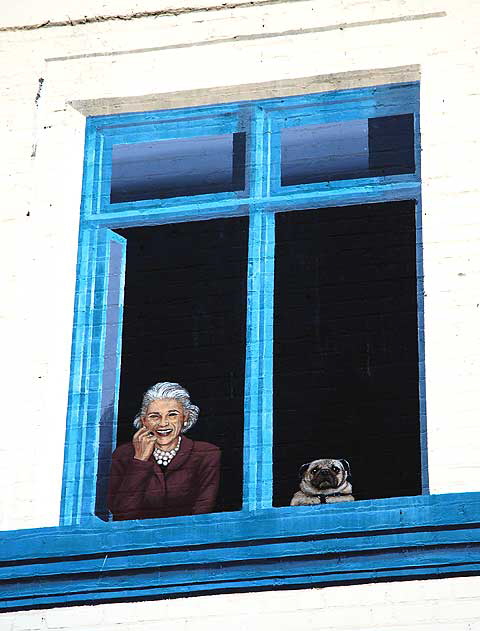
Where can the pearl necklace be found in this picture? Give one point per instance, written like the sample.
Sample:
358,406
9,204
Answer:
166,457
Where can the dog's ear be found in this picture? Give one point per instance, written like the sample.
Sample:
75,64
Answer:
346,466
302,470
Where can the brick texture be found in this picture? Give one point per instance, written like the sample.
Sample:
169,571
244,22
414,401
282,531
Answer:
165,49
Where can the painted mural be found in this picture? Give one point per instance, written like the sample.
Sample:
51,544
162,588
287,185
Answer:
247,393
163,473
308,330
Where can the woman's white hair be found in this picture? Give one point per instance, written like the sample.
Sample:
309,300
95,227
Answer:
168,390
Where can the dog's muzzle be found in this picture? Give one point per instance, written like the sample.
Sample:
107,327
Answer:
324,478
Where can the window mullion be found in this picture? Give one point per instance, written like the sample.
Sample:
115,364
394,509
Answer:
259,358
259,362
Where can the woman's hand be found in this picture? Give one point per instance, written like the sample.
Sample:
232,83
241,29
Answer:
143,443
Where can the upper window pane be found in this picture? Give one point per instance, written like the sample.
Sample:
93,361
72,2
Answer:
178,167
348,149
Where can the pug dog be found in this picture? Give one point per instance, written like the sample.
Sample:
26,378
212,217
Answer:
323,481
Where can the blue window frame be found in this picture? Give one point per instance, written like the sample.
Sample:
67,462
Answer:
88,560
329,128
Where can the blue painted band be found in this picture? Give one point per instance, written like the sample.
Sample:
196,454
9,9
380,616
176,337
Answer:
306,560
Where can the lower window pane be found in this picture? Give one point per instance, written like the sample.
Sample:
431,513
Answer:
346,349
184,321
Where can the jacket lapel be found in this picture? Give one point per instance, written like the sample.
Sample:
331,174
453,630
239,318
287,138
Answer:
184,452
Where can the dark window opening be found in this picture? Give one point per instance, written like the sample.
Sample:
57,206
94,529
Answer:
184,321
349,149
178,167
345,347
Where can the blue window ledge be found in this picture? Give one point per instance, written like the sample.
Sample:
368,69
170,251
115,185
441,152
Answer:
375,540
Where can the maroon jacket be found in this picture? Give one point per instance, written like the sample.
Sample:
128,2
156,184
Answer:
142,489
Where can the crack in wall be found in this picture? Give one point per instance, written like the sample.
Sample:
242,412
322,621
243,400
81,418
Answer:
143,14
39,91
41,81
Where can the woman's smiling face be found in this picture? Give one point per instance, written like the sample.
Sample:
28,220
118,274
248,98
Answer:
165,418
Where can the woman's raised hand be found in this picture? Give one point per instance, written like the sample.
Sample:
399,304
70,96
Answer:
143,443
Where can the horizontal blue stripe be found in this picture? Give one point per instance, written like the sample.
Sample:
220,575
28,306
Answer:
320,195
313,569
345,519
272,550
212,587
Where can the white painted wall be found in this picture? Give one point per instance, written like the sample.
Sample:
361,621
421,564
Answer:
440,605
226,47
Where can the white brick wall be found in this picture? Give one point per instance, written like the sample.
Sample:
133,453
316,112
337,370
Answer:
39,223
440,605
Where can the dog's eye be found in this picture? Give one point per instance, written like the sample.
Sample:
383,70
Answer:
335,469
315,470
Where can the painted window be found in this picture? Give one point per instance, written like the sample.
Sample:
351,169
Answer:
283,283
267,256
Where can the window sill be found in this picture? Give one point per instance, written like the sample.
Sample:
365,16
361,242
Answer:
374,540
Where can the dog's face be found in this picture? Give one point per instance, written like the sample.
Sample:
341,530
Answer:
325,474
